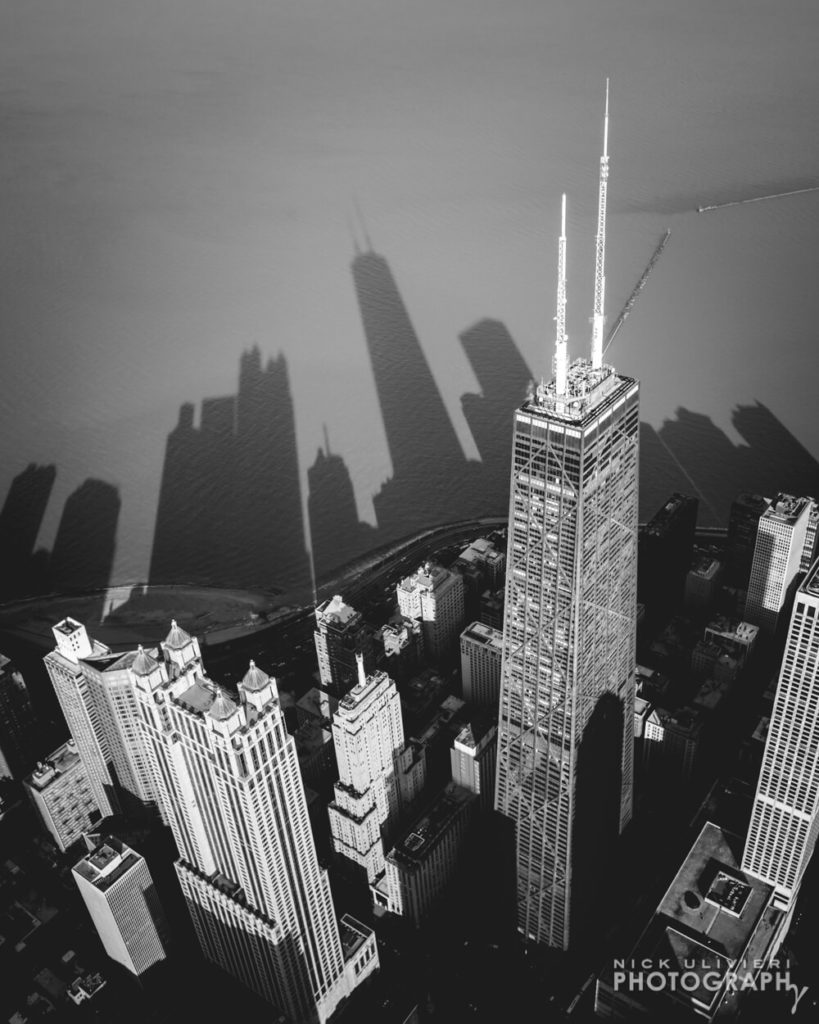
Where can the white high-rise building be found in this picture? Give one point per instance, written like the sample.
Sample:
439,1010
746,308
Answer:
117,888
780,543
65,669
369,736
95,688
229,779
785,816
566,726
473,758
434,596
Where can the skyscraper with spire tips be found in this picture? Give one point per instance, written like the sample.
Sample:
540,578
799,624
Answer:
228,778
564,775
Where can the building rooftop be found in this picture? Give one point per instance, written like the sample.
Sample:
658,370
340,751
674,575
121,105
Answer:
107,863
662,521
336,611
786,508
144,662
68,626
479,633
418,842
177,638
713,917
588,390
64,759
353,935
477,732
204,697
427,576
705,564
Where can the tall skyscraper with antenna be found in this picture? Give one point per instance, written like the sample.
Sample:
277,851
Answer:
564,775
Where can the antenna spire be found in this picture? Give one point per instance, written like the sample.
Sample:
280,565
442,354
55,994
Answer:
362,675
599,316
363,224
561,358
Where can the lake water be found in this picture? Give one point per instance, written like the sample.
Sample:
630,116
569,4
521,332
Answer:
180,181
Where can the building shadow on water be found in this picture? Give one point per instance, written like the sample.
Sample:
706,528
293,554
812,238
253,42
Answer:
230,510
82,557
693,455
432,480
24,570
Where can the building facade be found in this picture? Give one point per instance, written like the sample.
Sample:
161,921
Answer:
64,667
340,635
569,637
785,816
18,724
434,596
117,888
780,543
473,759
227,772
63,795
481,656
369,736
424,860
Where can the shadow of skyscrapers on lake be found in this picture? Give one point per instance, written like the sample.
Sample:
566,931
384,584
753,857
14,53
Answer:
230,509
82,557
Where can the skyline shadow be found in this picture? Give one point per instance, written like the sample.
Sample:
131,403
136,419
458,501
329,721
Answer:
229,511
81,558
20,521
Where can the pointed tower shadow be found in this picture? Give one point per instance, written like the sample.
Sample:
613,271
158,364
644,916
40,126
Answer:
337,535
428,463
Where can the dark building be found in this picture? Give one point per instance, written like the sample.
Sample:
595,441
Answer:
341,634
18,726
664,556
743,521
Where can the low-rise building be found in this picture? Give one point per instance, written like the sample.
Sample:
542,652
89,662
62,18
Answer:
424,860
707,945
61,792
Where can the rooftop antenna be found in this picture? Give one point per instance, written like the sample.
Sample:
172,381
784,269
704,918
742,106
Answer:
362,675
599,317
353,235
363,224
326,439
561,359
